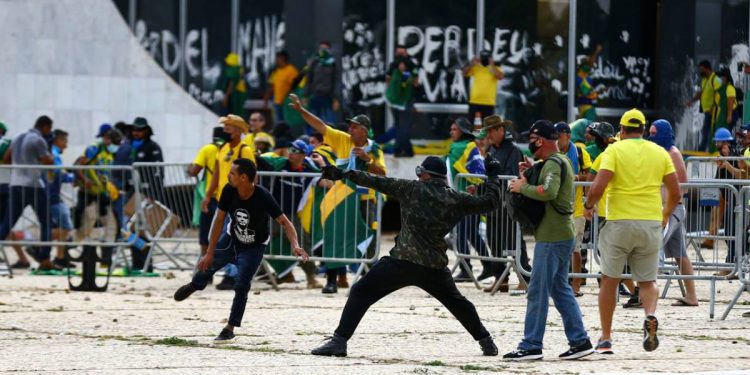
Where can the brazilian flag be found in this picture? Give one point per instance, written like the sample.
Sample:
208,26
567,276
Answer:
345,232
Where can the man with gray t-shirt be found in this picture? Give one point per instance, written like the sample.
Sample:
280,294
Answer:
27,185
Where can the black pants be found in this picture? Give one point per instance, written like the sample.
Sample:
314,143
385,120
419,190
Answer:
484,110
389,275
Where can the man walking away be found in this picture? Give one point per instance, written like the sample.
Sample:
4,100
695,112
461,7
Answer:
555,239
633,170
429,210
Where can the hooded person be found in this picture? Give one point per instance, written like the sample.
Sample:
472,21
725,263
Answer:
603,133
578,131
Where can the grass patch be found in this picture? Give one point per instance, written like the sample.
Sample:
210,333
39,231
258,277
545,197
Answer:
265,349
55,309
176,341
435,363
476,368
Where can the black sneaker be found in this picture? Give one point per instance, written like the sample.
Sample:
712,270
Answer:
20,265
488,346
224,337
63,263
633,302
184,292
330,288
462,277
650,326
579,351
623,291
524,355
226,284
604,347
335,346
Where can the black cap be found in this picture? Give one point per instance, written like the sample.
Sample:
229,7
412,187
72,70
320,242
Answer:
562,127
435,166
360,120
544,129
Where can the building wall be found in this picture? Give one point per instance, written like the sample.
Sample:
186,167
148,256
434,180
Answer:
78,62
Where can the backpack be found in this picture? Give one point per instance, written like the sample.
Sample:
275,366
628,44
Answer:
530,212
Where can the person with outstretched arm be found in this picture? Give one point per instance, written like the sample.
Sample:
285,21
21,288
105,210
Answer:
249,206
429,210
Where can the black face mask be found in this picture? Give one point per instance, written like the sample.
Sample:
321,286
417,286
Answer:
533,147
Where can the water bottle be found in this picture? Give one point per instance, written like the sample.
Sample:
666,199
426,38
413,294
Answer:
133,238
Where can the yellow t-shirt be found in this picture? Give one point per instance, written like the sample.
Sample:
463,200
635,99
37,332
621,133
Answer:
282,79
342,145
484,86
249,139
639,166
586,157
226,156
708,90
206,159
746,153
602,205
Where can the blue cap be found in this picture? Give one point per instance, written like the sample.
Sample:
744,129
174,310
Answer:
103,129
302,146
723,135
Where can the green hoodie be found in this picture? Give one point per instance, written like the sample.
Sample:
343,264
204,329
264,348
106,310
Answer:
578,130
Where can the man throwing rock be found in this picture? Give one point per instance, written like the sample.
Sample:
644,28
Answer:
429,210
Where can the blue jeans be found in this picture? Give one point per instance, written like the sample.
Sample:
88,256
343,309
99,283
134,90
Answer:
247,258
549,278
322,106
18,198
706,135
467,233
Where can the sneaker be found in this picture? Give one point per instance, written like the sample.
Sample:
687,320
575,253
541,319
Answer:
524,355
604,347
224,337
20,265
184,292
226,284
623,291
63,263
462,277
488,346
579,351
335,346
633,302
330,288
746,314
650,326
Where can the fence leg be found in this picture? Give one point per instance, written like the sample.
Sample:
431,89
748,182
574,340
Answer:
7,263
506,272
712,303
666,289
271,275
743,288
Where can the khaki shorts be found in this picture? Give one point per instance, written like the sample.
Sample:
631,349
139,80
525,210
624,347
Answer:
580,225
632,242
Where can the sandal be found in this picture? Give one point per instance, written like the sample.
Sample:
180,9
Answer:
682,303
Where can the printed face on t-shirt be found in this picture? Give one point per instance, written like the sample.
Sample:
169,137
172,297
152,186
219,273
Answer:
242,231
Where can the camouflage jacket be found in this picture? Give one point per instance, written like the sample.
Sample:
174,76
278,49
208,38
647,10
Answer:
429,210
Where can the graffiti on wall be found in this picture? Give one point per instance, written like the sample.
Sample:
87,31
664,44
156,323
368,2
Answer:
363,66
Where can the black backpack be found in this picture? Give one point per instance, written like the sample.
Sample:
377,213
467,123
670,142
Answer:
530,212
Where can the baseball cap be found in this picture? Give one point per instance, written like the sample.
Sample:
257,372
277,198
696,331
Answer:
434,166
360,120
562,127
103,129
544,129
633,118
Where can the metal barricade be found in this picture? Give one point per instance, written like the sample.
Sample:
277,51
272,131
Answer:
495,239
705,167
169,213
66,207
338,224
742,256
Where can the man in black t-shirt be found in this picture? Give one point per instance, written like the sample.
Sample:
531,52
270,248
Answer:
250,208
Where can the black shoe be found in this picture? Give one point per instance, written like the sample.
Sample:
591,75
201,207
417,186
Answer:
20,265
633,302
486,274
330,288
524,355
578,351
184,292
224,337
335,346
650,326
462,277
63,263
623,292
226,284
488,346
